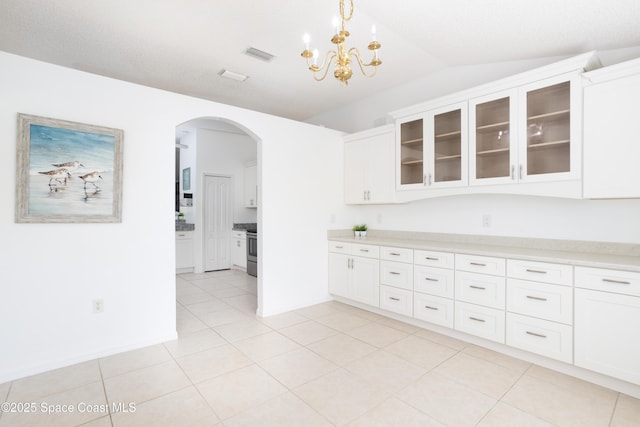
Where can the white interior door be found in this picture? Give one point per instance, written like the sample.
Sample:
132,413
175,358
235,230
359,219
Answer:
217,222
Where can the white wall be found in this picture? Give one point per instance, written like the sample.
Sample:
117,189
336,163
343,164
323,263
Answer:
51,272
511,215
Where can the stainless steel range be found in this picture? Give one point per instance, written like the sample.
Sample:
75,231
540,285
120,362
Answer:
252,252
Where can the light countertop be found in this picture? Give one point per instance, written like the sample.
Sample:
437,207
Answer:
619,256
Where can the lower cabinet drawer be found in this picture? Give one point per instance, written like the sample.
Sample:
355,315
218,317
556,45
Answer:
480,289
397,300
433,281
433,309
480,321
549,339
396,274
541,300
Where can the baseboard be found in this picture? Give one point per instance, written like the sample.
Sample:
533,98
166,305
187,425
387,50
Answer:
63,363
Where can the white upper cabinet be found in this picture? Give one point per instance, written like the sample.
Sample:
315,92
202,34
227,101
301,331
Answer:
369,166
518,135
492,146
611,139
527,134
550,136
432,149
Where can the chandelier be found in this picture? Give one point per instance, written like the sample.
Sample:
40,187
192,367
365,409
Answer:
341,57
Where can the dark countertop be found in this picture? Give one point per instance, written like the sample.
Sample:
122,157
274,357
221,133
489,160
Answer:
184,226
246,226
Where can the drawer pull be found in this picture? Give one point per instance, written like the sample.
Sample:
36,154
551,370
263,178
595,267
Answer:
431,308
617,282
429,258
395,273
339,247
364,250
536,335
394,299
429,279
531,270
394,253
536,298
478,264
476,319
477,287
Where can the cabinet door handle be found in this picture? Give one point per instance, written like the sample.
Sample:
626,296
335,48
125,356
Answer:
531,270
364,195
431,308
535,334
364,250
368,195
536,298
521,171
429,279
428,258
395,273
478,264
394,299
617,282
477,320
429,179
339,247
424,179
513,172
477,287
394,253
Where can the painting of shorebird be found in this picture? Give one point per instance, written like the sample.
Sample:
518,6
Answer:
68,171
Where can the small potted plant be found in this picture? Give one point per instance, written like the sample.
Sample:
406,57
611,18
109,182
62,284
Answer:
360,230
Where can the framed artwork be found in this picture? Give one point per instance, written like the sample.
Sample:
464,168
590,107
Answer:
186,179
67,172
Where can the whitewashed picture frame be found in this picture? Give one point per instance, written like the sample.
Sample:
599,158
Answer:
67,172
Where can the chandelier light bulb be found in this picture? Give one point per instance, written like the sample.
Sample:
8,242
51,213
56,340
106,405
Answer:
336,24
306,39
373,33
316,53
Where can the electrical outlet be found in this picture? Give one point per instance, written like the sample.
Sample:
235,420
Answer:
98,305
486,221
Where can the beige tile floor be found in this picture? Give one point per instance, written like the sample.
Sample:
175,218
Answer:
329,364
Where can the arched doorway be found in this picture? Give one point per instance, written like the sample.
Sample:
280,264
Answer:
206,147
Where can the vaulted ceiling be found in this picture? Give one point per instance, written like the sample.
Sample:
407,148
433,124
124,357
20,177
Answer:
182,45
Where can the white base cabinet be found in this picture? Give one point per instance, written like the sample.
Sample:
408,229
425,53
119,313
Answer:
184,250
352,276
583,316
607,315
239,249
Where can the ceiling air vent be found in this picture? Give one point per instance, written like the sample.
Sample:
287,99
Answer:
233,76
259,54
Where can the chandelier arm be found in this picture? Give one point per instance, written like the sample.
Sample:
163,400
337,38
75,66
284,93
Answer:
326,64
356,54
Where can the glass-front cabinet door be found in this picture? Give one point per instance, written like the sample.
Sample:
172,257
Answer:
492,124
410,134
447,146
546,139
433,148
